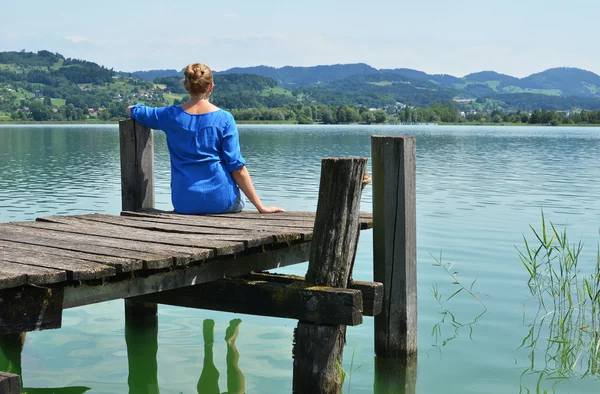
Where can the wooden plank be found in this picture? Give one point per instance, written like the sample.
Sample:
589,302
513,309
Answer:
23,273
183,254
394,244
208,271
75,225
25,233
116,262
250,239
76,269
307,218
317,350
317,305
372,292
137,165
29,308
9,383
207,224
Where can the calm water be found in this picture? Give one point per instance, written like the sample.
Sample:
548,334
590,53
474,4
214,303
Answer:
478,189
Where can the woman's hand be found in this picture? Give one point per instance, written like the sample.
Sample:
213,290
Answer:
271,209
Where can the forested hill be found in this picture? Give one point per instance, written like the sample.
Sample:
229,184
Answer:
51,86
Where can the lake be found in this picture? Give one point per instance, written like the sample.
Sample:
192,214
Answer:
478,190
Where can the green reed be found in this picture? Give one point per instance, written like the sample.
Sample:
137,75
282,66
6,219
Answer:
564,334
448,317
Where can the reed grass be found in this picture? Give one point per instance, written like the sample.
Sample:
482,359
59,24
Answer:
564,332
448,317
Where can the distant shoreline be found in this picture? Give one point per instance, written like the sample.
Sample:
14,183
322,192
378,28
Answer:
262,122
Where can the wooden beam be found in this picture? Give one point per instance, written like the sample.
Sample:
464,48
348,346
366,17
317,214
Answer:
318,349
372,292
394,244
317,305
29,308
186,276
9,383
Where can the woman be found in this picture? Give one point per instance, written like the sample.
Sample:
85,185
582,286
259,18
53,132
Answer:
207,168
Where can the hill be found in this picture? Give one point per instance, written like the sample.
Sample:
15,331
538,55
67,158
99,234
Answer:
48,86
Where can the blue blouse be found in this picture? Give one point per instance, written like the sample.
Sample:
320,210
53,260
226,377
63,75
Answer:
204,151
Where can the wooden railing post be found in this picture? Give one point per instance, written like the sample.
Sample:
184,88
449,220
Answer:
318,348
137,187
394,244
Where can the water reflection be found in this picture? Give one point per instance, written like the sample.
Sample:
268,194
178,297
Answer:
395,376
209,378
11,346
142,348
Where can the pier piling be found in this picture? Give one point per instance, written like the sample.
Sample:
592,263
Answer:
137,189
394,244
318,348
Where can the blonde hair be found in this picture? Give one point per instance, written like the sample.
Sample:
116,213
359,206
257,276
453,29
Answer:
199,80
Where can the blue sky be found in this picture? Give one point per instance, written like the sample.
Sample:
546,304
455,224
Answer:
515,37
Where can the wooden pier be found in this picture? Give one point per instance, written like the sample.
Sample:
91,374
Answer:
147,257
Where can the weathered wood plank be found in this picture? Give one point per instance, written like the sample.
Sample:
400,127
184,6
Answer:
394,244
9,383
208,271
29,308
212,225
26,233
137,165
153,254
372,292
116,262
33,275
317,349
250,239
307,218
76,269
318,305
75,225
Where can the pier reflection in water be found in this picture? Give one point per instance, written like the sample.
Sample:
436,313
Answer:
11,346
142,348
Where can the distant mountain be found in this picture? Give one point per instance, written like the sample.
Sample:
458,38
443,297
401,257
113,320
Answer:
570,81
485,76
442,79
289,76
151,75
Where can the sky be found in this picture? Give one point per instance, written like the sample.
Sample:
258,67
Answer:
514,37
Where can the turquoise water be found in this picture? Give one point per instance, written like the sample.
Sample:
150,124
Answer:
478,189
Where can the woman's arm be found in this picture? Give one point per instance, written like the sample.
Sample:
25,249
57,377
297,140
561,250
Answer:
241,176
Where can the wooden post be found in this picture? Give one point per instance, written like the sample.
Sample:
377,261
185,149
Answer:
9,383
137,187
318,348
394,244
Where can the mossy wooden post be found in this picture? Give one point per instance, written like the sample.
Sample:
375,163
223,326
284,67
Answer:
137,187
394,244
318,348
